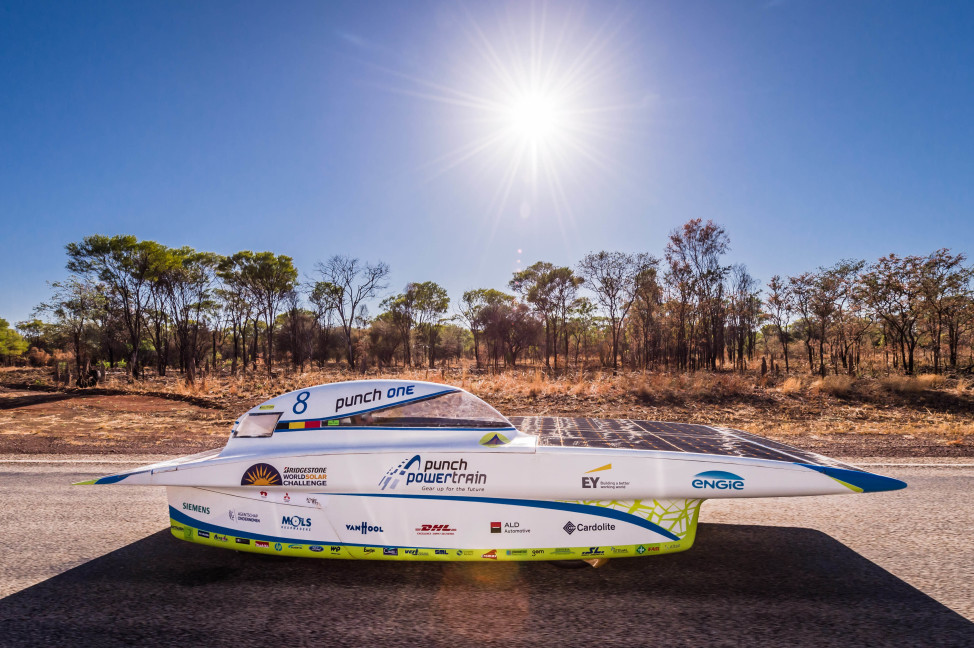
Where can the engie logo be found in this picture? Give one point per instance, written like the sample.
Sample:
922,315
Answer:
296,522
205,510
718,480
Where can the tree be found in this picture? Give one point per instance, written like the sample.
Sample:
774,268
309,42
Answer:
237,305
75,304
401,316
472,311
612,277
188,279
269,278
430,303
779,308
348,283
126,266
894,292
693,253
12,344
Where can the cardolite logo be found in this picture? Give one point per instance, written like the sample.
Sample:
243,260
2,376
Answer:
449,472
435,529
261,474
490,555
495,527
581,526
364,528
718,480
314,476
196,508
296,522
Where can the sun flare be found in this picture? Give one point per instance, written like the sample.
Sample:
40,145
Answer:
536,117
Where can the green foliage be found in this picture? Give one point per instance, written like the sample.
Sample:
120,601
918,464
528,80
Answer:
12,344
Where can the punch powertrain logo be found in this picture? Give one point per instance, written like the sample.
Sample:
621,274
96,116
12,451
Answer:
581,526
364,528
196,508
295,523
718,480
494,439
449,472
261,475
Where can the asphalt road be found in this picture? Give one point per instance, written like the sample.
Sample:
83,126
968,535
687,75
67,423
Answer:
97,566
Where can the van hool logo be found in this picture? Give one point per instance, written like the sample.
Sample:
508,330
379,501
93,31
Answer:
581,526
364,528
261,475
719,480
432,471
188,506
296,522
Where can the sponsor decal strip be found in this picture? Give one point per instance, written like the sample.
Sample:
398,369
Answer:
407,553
556,506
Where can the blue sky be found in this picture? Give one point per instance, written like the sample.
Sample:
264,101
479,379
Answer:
813,131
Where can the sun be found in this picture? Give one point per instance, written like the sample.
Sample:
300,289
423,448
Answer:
536,117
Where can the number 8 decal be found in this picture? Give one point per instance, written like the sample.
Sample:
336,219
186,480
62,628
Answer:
302,401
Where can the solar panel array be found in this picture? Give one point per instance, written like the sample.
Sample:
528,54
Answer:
657,435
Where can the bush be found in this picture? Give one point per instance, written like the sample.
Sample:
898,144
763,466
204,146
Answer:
840,385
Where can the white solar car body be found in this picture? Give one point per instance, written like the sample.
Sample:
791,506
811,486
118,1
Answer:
407,470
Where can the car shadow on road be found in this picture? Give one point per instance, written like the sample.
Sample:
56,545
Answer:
739,585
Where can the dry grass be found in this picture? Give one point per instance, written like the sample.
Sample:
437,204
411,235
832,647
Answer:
838,385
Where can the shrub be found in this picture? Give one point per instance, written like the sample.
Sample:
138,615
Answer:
839,385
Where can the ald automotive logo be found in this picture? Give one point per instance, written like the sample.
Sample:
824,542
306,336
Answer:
718,480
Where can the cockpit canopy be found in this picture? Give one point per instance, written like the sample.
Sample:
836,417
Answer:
449,408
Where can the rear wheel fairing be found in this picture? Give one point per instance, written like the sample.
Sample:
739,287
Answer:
405,527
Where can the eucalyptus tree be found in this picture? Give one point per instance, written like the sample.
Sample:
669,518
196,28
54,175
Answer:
234,295
188,277
270,279
75,304
401,310
473,305
612,277
346,284
430,304
779,307
127,267
894,292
